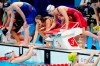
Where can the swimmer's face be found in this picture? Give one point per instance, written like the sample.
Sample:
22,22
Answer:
38,22
9,54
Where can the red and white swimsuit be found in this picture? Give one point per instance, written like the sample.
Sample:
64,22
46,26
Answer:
77,16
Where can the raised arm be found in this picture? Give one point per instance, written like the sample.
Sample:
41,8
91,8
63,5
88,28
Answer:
95,8
25,57
86,61
62,11
96,62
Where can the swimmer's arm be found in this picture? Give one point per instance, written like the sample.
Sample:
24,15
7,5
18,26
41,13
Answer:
63,12
11,22
96,14
96,62
14,7
25,53
36,34
86,61
6,19
26,57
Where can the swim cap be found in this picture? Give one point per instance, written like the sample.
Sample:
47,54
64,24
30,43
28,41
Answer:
7,53
6,4
72,57
50,8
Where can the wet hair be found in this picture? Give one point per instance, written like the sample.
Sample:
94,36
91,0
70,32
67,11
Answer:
6,4
43,19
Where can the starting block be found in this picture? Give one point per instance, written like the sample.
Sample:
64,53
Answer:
64,39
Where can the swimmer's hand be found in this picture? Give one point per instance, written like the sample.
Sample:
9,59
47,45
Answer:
32,46
1,27
25,25
92,54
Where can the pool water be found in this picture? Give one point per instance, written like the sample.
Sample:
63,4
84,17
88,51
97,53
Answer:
26,63
5,63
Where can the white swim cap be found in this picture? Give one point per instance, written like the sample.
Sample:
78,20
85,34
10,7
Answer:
50,8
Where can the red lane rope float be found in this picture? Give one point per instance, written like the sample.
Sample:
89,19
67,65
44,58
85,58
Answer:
53,65
57,65
3,58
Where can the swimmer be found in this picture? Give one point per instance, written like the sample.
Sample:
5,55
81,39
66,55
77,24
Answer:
17,24
14,59
75,14
43,24
74,59
27,12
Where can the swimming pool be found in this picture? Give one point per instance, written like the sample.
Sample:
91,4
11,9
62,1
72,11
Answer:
26,63
42,56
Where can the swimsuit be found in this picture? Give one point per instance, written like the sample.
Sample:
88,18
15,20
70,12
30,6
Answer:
29,12
77,16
